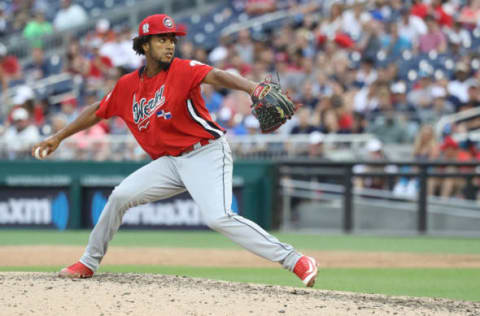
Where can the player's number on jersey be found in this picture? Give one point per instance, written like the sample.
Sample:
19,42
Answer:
195,63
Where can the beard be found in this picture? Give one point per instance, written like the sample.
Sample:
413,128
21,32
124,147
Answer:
164,65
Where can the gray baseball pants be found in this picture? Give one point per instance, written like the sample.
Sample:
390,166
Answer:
206,173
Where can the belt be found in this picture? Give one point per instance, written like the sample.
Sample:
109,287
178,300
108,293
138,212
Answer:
195,146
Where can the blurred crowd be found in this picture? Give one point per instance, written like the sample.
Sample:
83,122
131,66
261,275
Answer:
389,68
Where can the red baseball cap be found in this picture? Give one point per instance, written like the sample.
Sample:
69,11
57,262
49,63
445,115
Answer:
159,24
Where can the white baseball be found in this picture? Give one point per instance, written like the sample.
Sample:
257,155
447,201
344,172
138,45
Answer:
42,154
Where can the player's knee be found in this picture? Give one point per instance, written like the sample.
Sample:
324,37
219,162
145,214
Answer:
216,223
120,196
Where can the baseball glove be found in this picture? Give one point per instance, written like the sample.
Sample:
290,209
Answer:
270,106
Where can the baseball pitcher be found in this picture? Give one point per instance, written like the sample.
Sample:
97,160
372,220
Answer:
162,106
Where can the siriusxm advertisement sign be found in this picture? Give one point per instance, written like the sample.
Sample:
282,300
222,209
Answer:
178,212
34,207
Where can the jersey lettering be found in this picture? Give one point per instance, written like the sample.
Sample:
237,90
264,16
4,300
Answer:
144,109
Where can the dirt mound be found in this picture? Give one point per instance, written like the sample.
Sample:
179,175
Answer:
147,294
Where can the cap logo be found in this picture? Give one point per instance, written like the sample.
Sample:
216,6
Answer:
167,22
145,28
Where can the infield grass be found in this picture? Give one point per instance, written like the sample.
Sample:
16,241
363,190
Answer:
461,284
208,239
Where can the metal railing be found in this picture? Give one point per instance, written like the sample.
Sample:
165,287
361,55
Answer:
124,147
456,118
343,173
278,146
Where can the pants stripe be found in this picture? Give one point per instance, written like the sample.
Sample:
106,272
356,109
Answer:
223,179
276,243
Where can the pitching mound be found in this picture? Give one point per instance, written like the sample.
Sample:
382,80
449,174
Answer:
146,294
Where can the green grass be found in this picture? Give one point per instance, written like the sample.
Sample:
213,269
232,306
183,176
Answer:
448,283
207,239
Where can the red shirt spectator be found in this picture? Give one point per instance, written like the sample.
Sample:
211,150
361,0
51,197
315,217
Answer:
442,17
419,9
99,65
9,64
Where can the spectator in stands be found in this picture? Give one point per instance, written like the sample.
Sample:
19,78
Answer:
120,51
39,67
3,20
307,97
91,144
99,65
433,113
442,17
75,62
244,46
343,114
68,107
37,28
420,95
393,43
388,126
470,14
103,33
20,137
354,19
213,99
450,151
425,148
458,88
69,16
303,125
258,7
458,37
316,147
367,73
332,25
365,100
10,67
25,97
434,39
374,152
399,99
419,9
371,42
411,27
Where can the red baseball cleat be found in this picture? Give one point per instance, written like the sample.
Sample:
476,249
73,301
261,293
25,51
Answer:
306,269
76,271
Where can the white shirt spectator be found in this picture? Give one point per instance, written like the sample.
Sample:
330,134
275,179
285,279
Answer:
459,89
353,25
133,60
20,137
116,52
71,16
413,29
362,102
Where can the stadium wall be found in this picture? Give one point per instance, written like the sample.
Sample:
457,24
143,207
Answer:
70,195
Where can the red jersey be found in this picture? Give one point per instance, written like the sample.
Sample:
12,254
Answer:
165,113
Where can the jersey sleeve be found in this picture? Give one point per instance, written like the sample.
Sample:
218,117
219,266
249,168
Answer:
108,104
196,71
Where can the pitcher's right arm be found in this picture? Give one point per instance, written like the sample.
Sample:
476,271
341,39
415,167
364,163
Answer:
86,119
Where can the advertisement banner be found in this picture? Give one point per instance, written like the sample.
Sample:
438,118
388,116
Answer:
30,207
178,212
